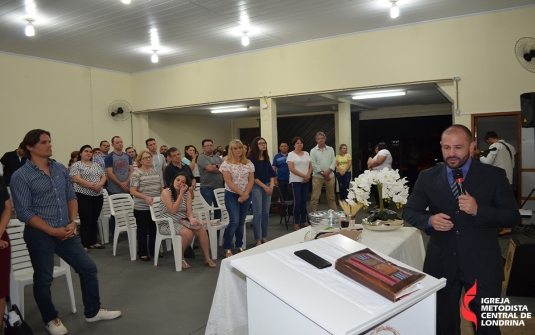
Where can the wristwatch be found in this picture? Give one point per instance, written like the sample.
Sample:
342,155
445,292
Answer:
72,221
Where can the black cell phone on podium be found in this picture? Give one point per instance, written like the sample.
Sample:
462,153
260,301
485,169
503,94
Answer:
312,258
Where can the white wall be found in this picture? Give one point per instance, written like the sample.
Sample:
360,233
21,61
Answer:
181,130
69,101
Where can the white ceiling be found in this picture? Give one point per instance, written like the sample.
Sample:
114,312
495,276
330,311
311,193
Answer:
110,35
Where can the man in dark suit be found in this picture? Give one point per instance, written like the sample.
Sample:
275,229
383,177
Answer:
12,161
463,246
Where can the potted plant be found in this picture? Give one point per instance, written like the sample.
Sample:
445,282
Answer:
391,188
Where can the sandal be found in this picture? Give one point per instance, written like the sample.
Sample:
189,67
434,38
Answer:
144,258
264,240
185,265
296,227
210,264
258,242
227,253
304,225
238,250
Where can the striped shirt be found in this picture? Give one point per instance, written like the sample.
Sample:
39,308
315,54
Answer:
36,193
147,183
99,159
180,214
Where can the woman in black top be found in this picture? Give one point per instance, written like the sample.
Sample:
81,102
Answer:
264,178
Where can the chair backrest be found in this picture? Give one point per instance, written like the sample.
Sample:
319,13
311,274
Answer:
155,209
200,207
276,196
106,205
122,207
220,199
20,258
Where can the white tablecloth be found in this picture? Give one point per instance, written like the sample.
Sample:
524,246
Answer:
228,314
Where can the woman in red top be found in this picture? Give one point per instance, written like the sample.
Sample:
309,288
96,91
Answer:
5,248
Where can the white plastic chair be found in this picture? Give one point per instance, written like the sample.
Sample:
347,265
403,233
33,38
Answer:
202,210
220,199
22,270
176,239
104,220
122,207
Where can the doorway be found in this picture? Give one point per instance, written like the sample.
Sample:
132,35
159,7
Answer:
508,127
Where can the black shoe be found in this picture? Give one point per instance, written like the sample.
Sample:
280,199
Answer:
144,258
189,253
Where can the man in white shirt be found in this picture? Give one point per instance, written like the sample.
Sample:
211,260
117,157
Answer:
158,160
500,154
323,164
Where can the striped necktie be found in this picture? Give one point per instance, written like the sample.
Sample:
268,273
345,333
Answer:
454,189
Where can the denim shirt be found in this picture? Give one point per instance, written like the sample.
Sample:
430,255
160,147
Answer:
36,193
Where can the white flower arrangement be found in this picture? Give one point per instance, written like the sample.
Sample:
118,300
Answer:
391,187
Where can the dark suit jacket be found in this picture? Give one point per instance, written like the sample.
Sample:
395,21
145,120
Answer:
12,164
472,242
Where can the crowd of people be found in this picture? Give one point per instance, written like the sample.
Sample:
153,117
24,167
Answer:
47,196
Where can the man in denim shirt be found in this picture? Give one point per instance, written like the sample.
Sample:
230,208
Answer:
44,199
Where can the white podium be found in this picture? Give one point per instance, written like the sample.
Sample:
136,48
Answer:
283,300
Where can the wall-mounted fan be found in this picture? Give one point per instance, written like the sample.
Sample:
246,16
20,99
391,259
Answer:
119,110
525,53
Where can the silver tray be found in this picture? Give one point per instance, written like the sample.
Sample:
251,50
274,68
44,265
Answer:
381,225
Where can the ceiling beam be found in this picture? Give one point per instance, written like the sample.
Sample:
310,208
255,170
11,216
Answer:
339,100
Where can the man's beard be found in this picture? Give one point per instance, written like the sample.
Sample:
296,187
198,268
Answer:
460,162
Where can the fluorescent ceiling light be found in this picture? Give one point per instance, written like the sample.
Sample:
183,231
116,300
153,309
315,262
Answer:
229,110
378,94
154,57
126,2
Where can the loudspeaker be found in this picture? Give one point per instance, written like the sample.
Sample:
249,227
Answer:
519,269
527,106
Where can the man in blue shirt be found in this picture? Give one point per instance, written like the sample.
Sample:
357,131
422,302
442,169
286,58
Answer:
281,167
44,199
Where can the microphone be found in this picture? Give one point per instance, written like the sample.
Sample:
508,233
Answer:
459,180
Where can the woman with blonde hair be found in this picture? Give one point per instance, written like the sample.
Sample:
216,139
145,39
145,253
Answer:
343,173
238,173
145,185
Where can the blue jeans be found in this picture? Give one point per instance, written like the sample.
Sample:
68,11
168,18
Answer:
42,247
209,197
261,202
237,213
300,192
343,183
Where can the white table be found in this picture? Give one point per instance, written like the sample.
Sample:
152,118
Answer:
228,314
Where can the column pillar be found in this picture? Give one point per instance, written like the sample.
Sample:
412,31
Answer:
268,124
342,126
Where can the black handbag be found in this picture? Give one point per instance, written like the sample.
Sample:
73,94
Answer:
19,327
